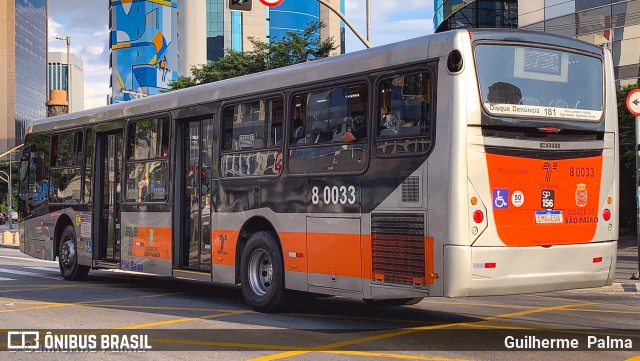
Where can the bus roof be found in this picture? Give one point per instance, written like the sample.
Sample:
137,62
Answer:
363,61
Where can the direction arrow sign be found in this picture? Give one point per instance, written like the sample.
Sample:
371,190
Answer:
633,102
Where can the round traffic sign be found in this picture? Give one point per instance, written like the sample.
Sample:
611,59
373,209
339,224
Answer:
271,3
633,102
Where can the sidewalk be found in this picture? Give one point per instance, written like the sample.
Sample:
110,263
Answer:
13,232
627,259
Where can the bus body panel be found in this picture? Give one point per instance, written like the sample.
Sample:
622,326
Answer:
146,242
512,270
352,250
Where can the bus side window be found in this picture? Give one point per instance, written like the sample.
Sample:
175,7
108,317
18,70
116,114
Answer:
405,112
252,131
328,130
38,184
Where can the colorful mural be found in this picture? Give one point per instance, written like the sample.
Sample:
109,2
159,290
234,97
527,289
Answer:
143,47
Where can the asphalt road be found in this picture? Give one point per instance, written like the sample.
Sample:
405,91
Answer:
191,321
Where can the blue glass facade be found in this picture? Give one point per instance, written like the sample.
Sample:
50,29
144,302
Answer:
31,63
215,30
143,50
459,14
292,16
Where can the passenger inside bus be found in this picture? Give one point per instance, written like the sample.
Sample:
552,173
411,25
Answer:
504,93
298,132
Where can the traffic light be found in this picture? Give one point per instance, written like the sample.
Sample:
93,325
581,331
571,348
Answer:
239,5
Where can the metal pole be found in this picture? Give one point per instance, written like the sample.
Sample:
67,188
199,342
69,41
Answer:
637,274
369,21
346,21
68,39
10,195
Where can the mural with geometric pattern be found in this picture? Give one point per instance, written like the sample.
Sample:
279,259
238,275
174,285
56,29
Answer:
143,42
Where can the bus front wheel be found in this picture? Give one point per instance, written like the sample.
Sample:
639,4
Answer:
68,257
262,273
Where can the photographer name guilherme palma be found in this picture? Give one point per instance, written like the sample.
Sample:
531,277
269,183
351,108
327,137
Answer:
592,342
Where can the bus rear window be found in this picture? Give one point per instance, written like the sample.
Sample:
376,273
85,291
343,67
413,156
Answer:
520,81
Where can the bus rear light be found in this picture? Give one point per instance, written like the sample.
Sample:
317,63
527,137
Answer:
490,265
474,201
609,200
606,215
597,259
478,216
550,130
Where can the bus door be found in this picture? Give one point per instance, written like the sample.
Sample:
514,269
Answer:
193,191
109,175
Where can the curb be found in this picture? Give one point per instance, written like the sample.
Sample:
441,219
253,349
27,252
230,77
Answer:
626,287
14,246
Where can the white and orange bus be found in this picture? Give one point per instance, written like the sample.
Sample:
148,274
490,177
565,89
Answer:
484,163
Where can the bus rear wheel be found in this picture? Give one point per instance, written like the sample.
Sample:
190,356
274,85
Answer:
394,302
262,273
68,257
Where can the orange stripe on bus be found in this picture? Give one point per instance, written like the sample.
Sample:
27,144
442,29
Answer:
428,258
223,246
336,254
572,188
152,242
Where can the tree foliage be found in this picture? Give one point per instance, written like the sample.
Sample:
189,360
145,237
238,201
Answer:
293,48
626,127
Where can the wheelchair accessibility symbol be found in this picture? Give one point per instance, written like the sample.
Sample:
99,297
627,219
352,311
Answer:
500,198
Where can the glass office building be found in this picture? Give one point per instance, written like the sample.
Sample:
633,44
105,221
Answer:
229,29
610,23
30,63
457,14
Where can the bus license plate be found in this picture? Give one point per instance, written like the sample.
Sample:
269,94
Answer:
548,216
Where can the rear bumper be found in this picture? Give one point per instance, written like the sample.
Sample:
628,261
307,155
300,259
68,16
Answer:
484,271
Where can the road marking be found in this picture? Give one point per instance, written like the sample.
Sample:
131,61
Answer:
604,311
406,331
573,332
359,318
394,355
179,320
83,303
163,308
48,269
252,346
7,279
29,259
30,274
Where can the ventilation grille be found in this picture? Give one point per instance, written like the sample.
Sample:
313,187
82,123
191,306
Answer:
411,190
397,244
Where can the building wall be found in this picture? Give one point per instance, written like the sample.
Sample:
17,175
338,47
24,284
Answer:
611,23
23,53
57,77
7,75
144,47
192,18
31,63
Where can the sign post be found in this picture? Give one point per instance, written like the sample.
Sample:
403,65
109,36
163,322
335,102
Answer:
633,104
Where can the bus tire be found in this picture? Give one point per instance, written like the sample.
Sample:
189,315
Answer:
394,302
262,273
68,257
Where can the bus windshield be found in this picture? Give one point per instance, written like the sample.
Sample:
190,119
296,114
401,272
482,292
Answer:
522,81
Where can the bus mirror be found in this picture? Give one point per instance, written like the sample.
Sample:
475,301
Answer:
454,61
